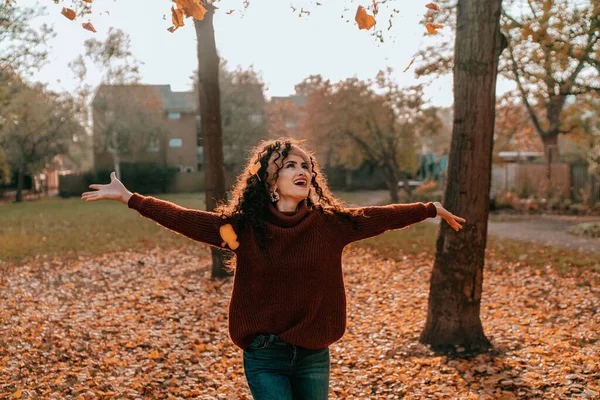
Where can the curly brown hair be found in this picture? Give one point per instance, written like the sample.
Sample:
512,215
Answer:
250,194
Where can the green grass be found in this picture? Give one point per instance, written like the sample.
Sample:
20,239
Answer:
72,227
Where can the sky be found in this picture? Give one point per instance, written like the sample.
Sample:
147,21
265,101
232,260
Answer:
268,35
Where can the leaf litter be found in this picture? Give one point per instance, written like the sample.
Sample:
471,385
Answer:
154,325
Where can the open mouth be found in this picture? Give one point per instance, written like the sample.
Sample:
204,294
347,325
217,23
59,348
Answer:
301,182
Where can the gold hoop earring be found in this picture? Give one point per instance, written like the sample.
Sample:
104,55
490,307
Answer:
274,196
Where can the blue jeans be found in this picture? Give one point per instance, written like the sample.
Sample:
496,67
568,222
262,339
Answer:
280,371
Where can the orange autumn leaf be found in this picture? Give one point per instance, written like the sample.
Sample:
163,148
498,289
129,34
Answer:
229,12
154,355
177,17
88,1
229,236
432,28
364,20
191,8
172,29
254,168
433,7
88,26
409,64
67,12
375,9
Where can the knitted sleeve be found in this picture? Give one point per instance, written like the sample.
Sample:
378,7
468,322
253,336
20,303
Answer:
379,219
202,226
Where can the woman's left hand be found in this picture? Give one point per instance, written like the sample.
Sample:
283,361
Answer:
450,218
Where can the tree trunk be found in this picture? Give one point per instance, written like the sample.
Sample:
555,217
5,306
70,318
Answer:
209,99
552,155
456,281
20,183
117,164
393,186
406,186
348,179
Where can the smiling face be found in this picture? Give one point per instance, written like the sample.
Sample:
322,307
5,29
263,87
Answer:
293,181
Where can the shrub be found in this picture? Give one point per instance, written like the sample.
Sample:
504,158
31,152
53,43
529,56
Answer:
590,229
146,178
427,187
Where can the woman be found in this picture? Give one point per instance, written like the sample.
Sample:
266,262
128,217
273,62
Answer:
287,231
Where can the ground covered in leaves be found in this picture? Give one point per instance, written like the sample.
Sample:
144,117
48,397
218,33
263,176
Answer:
153,325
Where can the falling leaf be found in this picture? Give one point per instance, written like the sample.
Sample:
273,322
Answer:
409,64
364,20
229,236
88,26
191,8
229,12
433,7
88,1
177,17
375,8
67,12
172,29
17,394
432,28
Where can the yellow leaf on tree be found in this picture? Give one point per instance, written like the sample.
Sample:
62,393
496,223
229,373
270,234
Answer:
67,12
88,26
229,236
177,17
191,8
364,20
432,28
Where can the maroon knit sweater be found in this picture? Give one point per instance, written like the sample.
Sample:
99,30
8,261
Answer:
300,297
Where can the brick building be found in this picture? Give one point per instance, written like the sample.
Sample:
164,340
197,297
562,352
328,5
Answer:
181,145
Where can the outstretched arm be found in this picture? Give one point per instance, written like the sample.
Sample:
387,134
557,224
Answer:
376,220
202,226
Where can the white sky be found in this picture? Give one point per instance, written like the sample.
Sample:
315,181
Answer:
283,47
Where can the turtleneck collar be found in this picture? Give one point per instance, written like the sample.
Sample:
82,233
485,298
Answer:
286,219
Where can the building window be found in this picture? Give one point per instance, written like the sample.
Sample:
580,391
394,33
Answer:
174,115
255,118
153,145
175,143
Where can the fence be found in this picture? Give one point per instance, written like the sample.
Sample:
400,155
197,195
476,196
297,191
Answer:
571,181
586,187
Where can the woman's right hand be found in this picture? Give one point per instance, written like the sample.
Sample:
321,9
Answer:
113,191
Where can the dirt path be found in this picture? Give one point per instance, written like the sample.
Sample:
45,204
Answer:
545,230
